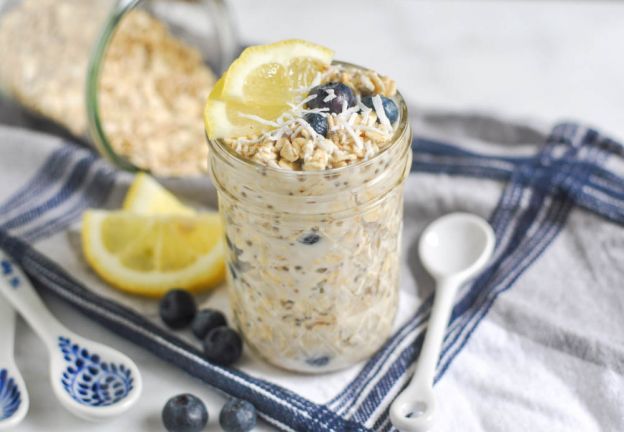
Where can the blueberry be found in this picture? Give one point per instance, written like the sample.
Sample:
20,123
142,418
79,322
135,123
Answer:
223,345
318,122
177,308
343,94
390,108
237,416
318,361
206,320
184,413
309,239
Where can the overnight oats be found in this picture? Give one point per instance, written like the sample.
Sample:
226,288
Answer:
310,177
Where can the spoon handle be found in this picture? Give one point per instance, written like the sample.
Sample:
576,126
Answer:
412,410
7,331
436,329
19,292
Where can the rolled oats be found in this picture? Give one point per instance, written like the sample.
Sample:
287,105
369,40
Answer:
152,85
289,151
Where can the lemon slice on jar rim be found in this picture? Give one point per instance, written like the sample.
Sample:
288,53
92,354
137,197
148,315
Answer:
263,83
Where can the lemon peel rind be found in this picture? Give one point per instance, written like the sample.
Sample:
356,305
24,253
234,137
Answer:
282,53
133,282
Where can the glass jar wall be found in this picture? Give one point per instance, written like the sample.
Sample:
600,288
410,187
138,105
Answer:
314,255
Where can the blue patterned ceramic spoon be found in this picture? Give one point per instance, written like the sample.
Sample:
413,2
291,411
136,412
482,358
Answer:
13,395
91,380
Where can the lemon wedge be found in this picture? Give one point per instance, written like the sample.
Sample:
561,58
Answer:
150,254
262,84
147,196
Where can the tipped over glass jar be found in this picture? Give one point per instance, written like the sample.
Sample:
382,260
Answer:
128,76
313,254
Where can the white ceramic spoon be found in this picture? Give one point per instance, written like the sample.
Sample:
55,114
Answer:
91,380
453,249
14,399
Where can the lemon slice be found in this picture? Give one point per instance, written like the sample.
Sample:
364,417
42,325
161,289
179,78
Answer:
151,254
147,196
262,83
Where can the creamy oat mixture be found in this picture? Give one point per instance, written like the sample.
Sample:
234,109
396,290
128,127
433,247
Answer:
354,134
314,252
45,45
153,86
318,294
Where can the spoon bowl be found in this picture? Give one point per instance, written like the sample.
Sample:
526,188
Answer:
14,399
91,380
453,249
456,245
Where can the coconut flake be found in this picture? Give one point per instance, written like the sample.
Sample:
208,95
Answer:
356,138
363,108
305,125
331,95
300,105
381,113
259,119
328,146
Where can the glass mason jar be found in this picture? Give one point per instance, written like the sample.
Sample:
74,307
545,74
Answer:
313,256
204,25
54,55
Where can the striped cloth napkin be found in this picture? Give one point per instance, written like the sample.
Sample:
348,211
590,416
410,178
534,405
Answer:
535,343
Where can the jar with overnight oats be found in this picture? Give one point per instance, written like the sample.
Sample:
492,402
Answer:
313,250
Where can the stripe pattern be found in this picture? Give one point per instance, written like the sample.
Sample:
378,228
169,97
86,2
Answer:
68,182
541,190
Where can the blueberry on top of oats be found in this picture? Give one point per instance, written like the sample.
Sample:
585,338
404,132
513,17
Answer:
334,96
390,108
315,117
318,122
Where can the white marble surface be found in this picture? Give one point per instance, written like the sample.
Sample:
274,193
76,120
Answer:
544,60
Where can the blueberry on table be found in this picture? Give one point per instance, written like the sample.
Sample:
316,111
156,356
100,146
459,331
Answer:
318,122
185,413
332,95
206,320
223,345
237,416
390,108
177,308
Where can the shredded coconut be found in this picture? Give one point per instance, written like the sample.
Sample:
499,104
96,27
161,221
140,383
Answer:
355,134
381,113
331,95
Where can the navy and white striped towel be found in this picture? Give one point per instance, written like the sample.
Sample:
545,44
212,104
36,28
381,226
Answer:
536,343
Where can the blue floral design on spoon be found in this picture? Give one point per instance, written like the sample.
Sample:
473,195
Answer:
10,396
89,380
